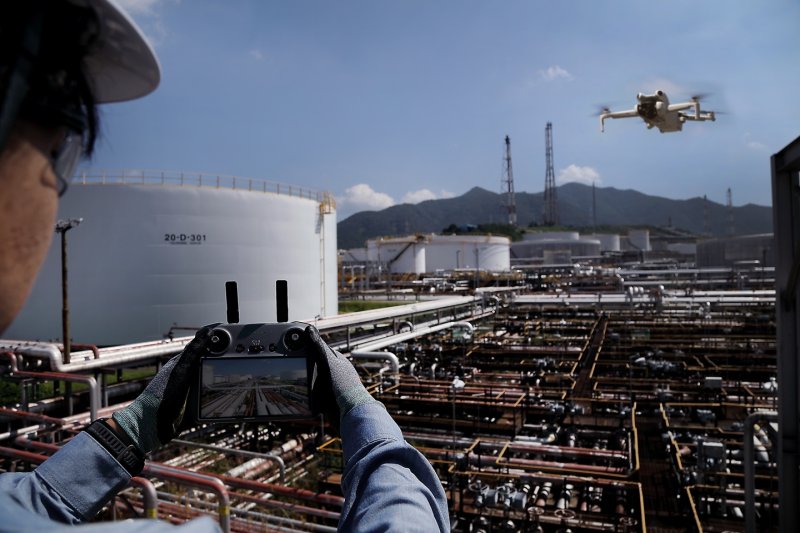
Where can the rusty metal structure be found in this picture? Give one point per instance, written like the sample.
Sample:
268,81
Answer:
620,404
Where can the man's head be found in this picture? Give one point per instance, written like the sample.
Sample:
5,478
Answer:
58,59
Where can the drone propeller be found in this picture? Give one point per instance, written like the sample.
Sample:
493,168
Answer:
699,96
600,109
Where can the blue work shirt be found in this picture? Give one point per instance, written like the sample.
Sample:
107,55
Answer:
388,486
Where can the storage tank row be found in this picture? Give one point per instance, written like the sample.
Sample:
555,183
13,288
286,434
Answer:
559,247
728,251
419,254
154,251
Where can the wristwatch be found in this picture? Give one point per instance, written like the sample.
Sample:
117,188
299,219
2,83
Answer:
127,454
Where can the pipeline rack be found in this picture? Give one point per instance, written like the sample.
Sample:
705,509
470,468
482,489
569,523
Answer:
538,413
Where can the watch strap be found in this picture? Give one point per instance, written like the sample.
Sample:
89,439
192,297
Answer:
128,455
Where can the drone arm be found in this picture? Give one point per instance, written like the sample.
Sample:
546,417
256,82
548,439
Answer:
702,117
616,114
683,106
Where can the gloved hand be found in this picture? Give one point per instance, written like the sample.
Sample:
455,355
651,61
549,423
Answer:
154,418
338,388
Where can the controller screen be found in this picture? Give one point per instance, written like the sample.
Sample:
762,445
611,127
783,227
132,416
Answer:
247,387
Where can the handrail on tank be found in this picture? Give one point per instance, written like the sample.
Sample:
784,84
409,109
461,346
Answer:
197,179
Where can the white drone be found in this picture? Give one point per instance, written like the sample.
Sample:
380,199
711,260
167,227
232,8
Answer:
656,111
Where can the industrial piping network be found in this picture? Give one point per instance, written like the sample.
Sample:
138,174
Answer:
215,484
749,466
370,350
243,453
94,358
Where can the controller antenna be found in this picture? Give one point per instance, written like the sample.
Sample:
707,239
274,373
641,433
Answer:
232,301
282,300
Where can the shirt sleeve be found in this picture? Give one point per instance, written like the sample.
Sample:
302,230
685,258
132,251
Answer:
70,487
387,483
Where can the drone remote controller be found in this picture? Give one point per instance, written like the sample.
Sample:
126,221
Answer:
256,372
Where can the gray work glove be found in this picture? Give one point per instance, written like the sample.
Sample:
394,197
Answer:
154,418
338,388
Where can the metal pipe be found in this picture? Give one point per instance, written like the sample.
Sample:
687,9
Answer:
281,520
94,390
150,496
385,356
419,332
26,415
85,360
243,453
201,481
749,466
291,492
289,506
31,457
21,431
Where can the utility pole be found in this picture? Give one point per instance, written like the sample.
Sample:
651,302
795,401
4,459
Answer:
594,208
550,201
508,185
731,230
706,227
62,227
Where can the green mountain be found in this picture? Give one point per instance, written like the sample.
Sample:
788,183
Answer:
615,207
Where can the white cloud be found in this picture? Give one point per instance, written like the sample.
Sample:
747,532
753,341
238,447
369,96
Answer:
138,7
757,146
415,197
147,14
256,54
553,73
574,173
362,197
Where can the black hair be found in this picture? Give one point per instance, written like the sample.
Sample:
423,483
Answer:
43,44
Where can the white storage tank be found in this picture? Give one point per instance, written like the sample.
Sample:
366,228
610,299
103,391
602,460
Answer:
551,236
428,253
609,242
400,254
155,251
486,252
353,255
639,239
583,247
557,257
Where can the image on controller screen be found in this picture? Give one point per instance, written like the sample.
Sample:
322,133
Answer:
234,388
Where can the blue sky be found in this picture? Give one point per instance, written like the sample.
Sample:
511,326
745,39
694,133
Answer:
382,102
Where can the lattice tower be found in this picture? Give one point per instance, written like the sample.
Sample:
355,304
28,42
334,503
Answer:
550,201
731,229
508,185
